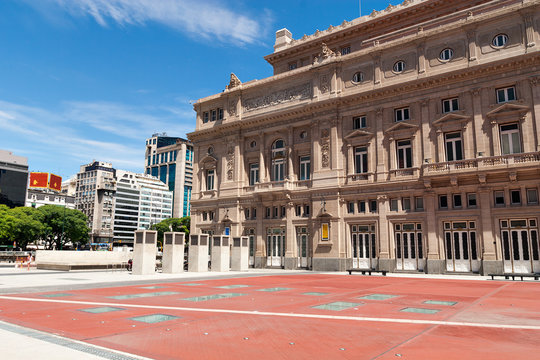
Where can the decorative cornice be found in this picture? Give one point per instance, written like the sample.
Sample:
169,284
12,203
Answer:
451,117
507,109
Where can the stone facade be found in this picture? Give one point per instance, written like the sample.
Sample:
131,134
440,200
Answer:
406,140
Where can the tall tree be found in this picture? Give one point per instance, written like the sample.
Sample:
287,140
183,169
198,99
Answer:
64,225
172,224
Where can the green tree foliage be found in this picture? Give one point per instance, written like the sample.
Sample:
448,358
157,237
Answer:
60,220
172,224
22,225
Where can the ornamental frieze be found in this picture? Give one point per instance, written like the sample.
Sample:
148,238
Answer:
299,92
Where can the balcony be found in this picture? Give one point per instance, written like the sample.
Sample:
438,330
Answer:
472,165
404,174
367,177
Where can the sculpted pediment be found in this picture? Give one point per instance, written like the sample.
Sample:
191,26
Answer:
451,118
401,126
508,109
208,162
358,133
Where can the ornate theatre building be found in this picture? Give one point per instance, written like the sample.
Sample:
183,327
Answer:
405,140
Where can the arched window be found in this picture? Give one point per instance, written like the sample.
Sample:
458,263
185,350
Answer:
278,160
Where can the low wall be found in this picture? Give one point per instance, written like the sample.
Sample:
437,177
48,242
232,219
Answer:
71,260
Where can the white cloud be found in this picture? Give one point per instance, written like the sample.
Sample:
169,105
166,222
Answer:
82,131
209,19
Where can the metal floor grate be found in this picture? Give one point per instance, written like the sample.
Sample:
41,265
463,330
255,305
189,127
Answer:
74,345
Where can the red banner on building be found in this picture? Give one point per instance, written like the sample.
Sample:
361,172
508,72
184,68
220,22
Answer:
55,182
38,180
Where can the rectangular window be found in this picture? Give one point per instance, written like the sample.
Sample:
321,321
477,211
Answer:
278,169
220,114
298,210
246,212
457,201
213,115
499,198
254,213
268,212
373,206
350,207
510,139
506,94
305,168
454,149
393,204
359,122
204,216
345,50
360,160
210,179
275,212
306,210
443,202
419,203
471,200
450,105
283,211
515,197
404,154
406,204
205,117
253,174
532,196
401,114
361,206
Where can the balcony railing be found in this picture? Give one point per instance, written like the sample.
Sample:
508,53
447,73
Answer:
396,174
481,163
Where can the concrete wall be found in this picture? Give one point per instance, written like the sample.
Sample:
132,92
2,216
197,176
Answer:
81,257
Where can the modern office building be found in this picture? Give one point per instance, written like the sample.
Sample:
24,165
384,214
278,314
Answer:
140,201
171,160
94,196
13,179
405,140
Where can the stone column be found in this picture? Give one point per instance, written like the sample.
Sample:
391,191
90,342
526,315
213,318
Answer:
144,252
380,170
198,253
350,159
478,121
315,148
490,263
262,166
393,154
426,129
535,89
290,246
471,38
435,260
260,247
441,156
468,144
421,59
386,262
528,19
334,142
220,253
495,138
173,253
377,69
417,150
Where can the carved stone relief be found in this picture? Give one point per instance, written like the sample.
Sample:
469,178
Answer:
230,162
325,84
325,148
299,92
232,108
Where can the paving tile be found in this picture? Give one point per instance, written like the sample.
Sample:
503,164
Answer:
438,302
420,310
231,286
152,287
315,293
56,295
337,306
100,310
213,297
144,295
191,284
154,318
377,297
274,289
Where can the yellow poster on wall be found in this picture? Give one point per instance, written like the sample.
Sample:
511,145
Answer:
325,231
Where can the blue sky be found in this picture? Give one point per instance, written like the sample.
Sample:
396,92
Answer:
92,79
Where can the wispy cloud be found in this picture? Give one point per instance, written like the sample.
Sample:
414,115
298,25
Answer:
207,18
82,131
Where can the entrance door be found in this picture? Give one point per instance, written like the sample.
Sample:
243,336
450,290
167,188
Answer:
520,246
302,250
364,251
457,251
275,248
409,247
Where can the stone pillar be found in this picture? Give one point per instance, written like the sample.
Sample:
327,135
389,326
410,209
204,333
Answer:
441,156
221,253
490,263
421,59
173,252
198,253
478,122
435,262
495,138
528,19
386,262
240,254
426,129
471,37
393,154
290,246
350,160
379,145
468,143
377,69
144,252
535,89
260,248
262,166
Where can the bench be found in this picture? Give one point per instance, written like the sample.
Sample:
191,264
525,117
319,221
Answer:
368,271
507,276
